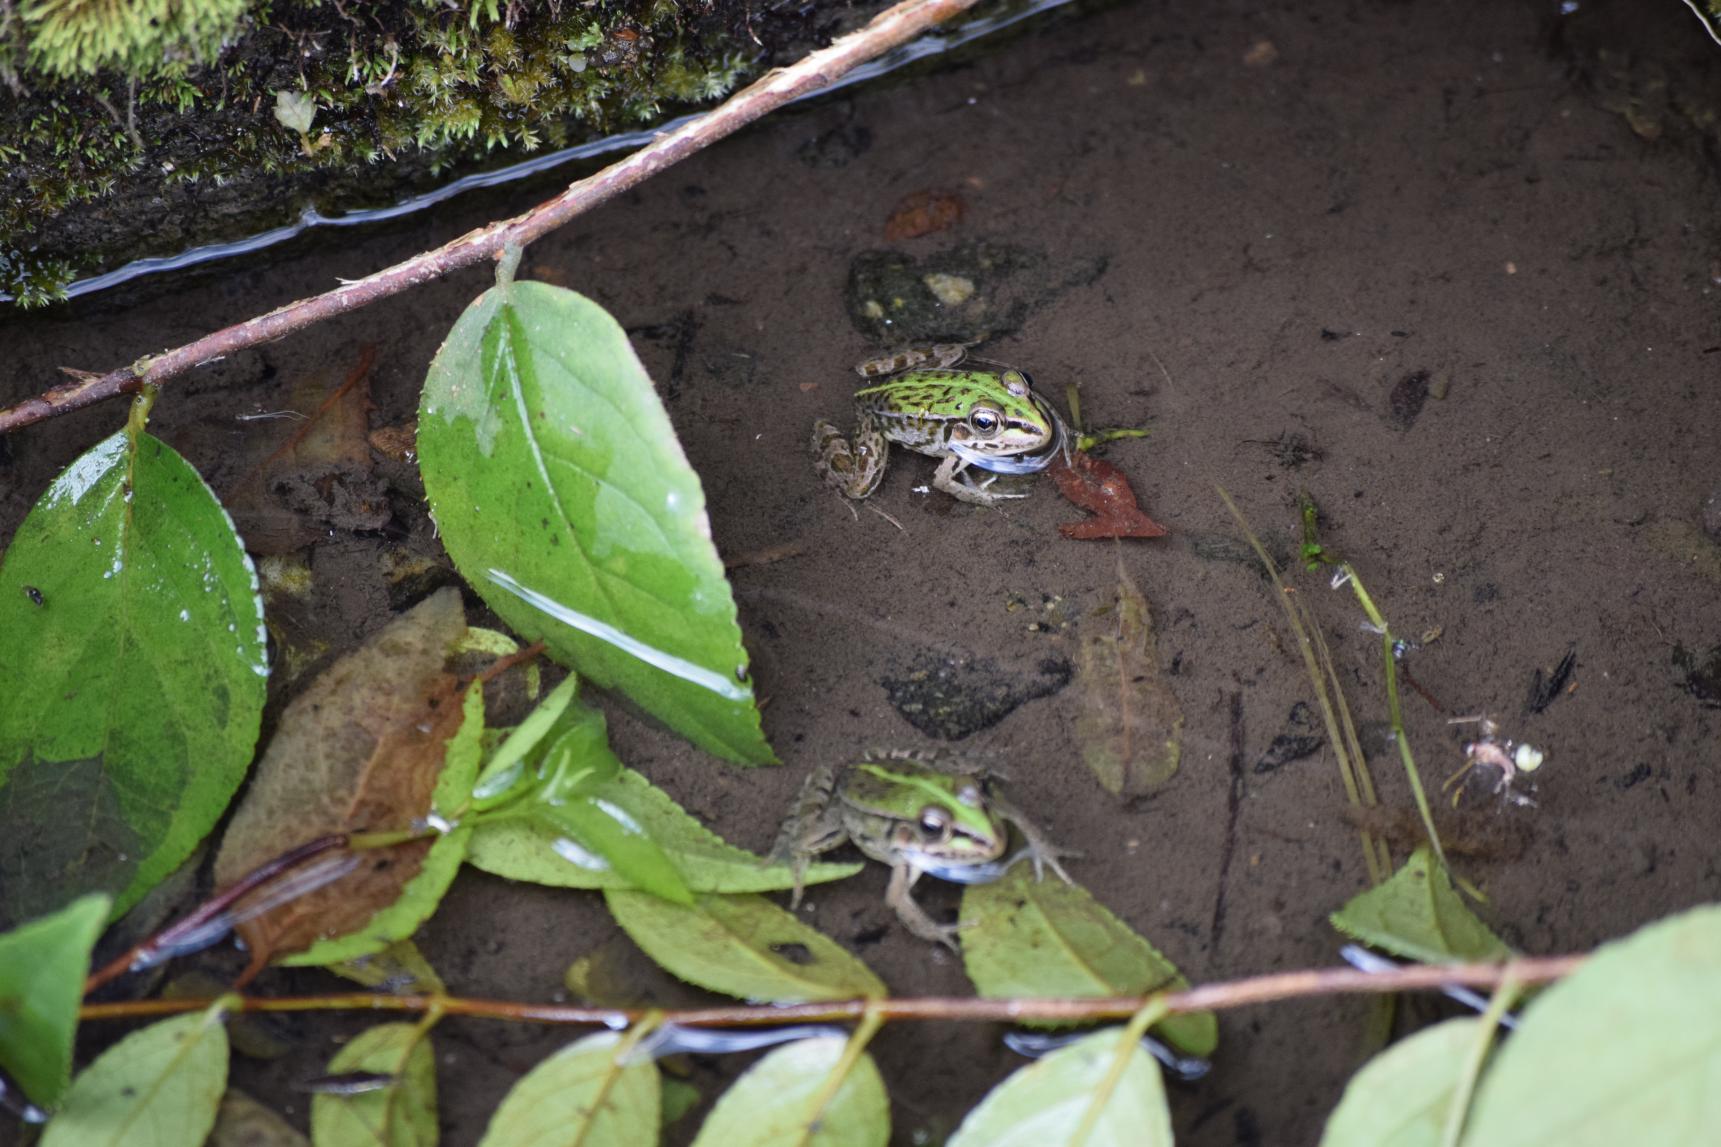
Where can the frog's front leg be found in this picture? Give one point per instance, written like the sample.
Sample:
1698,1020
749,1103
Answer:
963,489
814,826
900,896
854,468
1042,853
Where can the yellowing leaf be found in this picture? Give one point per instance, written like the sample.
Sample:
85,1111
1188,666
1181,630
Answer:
1129,724
1401,1096
581,1097
400,1114
1043,1104
775,1103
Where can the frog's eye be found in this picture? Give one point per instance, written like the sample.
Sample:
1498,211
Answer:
935,822
984,421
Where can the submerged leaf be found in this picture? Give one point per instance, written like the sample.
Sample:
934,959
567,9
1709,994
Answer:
1129,725
1027,937
1043,1104
243,1122
1624,1050
1401,1096
361,749
1418,915
519,850
132,674
564,497
773,1104
399,968
42,970
581,1097
158,1087
402,1113
743,946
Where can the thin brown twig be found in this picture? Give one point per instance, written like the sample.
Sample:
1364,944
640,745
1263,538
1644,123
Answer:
1208,997
890,28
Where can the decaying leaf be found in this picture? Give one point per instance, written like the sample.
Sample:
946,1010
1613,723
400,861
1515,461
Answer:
360,750
1129,724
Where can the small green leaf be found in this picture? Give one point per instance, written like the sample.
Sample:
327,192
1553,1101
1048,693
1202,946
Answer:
522,851
1625,1050
1418,915
743,946
564,497
591,832
460,761
578,761
773,1104
158,1087
1401,1096
1027,937
581,1097
507,762
1043,1104
42,970
395,922
131,677
401,1114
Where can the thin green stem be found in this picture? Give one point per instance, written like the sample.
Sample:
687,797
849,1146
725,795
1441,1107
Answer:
1128,1045
871,1020
1459,1109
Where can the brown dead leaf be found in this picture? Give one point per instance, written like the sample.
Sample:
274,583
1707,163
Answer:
924,213
320,476
359,750
1129,724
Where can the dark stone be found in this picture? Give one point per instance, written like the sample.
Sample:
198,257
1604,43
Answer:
1404,404
950,698
1702,674
1299,740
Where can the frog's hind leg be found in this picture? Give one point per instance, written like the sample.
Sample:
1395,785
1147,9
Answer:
962,488
900,896
854,467
814,826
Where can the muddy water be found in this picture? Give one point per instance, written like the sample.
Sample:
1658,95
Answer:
1442,265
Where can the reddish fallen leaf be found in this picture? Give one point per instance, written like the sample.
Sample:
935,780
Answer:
924,213
359,750
1100,488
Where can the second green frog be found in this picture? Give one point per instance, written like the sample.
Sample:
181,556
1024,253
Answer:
934,813
990,420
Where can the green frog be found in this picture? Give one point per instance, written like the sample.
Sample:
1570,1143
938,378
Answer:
937,813
990,420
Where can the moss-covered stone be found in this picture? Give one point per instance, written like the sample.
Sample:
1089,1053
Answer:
134,127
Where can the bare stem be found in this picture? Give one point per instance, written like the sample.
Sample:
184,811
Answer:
890,28
1209,997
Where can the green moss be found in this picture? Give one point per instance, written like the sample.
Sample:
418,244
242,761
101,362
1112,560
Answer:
125,98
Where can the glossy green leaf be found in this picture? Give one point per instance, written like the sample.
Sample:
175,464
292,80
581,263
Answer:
593,833
1043,1104
158,1087
522,851
1417,914
506,764
42,970
581,1097
1626,1050
131,677
1401,1097
773,1104
743,946
1028,937
400,1114
564,497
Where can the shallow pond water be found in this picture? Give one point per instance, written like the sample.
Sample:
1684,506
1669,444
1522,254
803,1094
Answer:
1447,266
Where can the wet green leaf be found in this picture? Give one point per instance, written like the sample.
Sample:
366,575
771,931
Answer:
42,970
507,762
132,677
1129,724
1043,1104
1027,937
564,497
1400,1097
773,1104
1418,915
158,1087
591,832
401,1114
1625,1050
580,1097
708,863
743,946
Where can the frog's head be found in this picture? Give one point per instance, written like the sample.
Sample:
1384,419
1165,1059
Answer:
1001,417
940,822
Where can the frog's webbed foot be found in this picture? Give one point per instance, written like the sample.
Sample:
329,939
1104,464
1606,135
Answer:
900,897
953,478
814,826
855,467
1040,850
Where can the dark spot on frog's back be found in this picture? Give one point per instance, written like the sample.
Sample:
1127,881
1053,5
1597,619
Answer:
951,697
